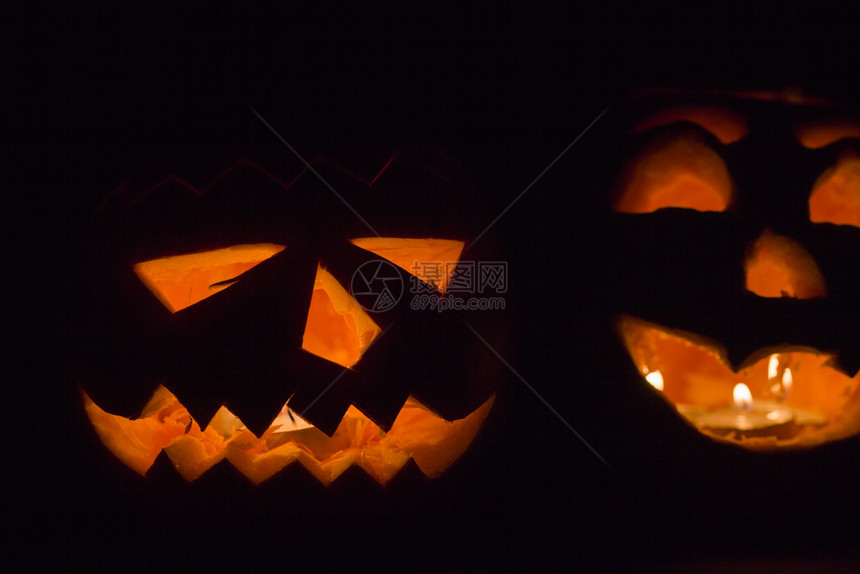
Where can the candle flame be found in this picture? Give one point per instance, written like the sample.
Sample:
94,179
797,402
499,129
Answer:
772,367
656,379
742,396
787,381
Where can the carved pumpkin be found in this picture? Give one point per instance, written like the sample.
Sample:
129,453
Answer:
737,240
248,299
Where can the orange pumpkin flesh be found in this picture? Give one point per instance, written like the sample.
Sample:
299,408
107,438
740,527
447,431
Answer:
780,267
408,254
433,443
337,329
836,194
183,280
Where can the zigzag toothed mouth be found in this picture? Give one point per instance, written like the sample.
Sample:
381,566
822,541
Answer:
165,424
694,375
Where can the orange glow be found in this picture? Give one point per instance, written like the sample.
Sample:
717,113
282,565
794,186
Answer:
180,281
818,135
417,433
791,96
676,171
655,378
423,258
836,195
742,397
728,126
787,382
780,267
337,328
697,379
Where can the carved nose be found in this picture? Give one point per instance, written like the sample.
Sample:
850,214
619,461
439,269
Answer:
777,266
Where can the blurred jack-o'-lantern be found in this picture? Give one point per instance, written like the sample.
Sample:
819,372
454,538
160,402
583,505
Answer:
737,240
280,313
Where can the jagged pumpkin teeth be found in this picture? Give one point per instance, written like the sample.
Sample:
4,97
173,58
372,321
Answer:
417,434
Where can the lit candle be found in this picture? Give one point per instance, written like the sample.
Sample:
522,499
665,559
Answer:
781,388
772,367
782,391
787,382
656,379
747,419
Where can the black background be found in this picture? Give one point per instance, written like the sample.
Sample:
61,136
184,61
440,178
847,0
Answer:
95,98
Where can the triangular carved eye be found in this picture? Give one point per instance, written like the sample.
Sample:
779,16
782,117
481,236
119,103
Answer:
337,328
180,281
430,260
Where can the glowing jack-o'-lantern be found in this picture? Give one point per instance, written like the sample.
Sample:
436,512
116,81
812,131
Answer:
337,330
743,219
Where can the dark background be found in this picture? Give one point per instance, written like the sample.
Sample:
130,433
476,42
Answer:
94,99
